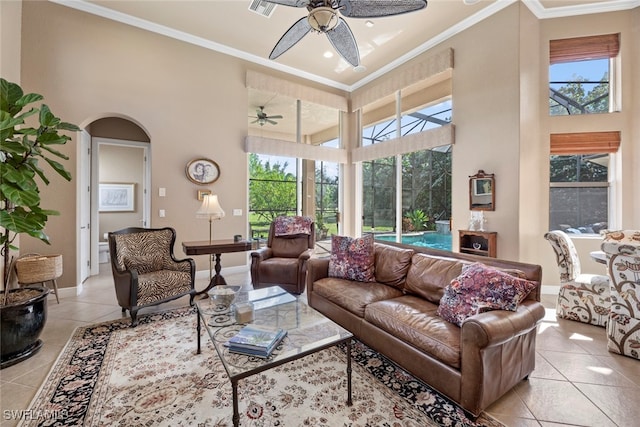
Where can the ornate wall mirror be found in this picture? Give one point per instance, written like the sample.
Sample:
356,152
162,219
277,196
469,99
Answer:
482,192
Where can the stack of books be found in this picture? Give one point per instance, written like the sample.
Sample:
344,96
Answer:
256,340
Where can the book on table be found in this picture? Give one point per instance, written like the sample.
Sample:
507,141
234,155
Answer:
256,340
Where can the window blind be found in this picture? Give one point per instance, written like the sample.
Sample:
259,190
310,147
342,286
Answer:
585,142
584,48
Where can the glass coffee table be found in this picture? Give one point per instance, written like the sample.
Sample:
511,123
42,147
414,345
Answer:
308,331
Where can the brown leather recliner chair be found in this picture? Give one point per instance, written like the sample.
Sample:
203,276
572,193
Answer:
283,261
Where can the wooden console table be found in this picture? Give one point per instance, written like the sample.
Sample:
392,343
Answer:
215,247
478,242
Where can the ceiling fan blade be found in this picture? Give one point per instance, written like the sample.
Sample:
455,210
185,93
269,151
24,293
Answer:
378,8
292,3
272,122
291,37
343,41
255,121
275,117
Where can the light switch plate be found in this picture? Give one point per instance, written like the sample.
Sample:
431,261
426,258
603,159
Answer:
162,192
162,213
237,212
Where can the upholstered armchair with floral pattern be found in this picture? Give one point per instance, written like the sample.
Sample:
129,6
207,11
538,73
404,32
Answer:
145,270
582,297
623,262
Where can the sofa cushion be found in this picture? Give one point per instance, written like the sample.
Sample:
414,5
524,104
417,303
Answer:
415,321
480,288
429,275
352,258
353,296
392,264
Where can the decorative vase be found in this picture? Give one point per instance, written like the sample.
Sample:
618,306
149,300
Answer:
21,325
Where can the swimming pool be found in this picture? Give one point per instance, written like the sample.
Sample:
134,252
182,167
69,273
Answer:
429,240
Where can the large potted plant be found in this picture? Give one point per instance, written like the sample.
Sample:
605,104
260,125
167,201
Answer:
23,310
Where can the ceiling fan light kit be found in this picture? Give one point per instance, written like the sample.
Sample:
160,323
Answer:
323,18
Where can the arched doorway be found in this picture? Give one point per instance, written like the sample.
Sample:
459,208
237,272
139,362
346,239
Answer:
118,159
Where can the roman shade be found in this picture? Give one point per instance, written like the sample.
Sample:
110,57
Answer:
585,142
584,48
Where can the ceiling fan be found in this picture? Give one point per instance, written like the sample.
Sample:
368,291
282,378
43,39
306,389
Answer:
262,118
323,18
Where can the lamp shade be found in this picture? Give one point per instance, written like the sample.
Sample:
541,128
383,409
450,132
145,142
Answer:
210,208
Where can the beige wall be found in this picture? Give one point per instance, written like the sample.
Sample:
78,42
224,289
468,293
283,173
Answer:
10,43
192,103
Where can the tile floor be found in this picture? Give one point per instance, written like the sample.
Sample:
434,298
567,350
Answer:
577,381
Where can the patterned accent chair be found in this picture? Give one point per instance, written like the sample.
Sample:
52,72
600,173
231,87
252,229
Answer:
582,297
283,261
623,262
145,270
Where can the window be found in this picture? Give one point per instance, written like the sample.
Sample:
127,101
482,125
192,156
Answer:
327,180
579,74
419,120
378,194
579,181
272,190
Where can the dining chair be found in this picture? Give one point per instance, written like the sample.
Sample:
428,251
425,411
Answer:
582,297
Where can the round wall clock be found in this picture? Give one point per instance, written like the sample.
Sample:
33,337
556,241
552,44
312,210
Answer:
202,171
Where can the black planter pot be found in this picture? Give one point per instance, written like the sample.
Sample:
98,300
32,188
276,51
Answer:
20,328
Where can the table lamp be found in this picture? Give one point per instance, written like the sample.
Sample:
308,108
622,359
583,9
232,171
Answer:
210,210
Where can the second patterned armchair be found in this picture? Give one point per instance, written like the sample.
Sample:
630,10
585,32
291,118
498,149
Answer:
623,262
582,297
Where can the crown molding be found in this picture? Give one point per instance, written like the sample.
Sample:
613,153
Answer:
583,9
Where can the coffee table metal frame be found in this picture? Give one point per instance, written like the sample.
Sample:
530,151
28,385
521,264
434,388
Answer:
297,344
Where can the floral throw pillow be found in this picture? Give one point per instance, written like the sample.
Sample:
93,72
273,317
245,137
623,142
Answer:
480,288
352,258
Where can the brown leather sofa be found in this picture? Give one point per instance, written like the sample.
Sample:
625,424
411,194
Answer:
474,365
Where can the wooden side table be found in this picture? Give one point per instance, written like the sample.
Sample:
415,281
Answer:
215,247
481,243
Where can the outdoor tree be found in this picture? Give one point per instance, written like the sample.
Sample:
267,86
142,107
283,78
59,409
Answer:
272,190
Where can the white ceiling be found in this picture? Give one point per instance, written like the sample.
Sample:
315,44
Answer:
229,26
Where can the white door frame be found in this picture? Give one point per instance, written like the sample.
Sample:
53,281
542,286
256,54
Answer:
83,251
95,173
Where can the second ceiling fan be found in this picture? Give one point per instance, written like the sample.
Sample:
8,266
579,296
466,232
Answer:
323,18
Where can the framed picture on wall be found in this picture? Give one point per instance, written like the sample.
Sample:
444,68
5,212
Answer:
202,171
116,197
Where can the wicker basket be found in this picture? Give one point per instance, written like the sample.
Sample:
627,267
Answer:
38,268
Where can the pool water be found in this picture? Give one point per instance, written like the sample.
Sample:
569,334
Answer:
429,240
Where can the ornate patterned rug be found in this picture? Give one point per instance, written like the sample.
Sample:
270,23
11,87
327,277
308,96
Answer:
111,374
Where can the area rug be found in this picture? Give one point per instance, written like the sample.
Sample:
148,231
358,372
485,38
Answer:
111,374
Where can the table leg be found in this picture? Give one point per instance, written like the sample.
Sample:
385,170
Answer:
349,401
236,414
216,280
198,329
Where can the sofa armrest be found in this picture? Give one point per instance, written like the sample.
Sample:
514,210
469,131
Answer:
499,326
317,268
